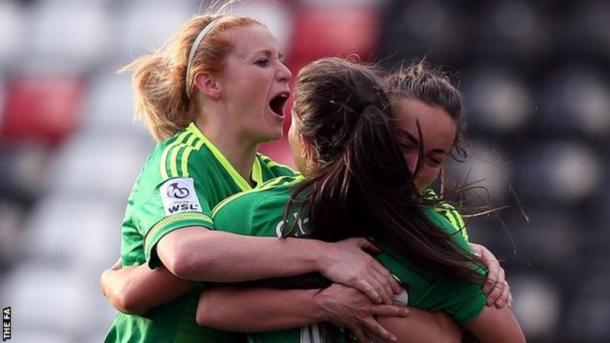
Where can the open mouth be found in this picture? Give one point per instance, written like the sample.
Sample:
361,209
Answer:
277,103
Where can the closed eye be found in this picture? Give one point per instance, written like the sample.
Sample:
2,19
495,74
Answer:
434,162
407,141
262,62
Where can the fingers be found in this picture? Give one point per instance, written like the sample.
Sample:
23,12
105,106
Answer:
366,288
390,279
365,244
381,281
384,288
374,327
117,265
505,298
389,311
375,289
498,289
493,276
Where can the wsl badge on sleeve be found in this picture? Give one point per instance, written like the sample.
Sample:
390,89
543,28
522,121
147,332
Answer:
179,195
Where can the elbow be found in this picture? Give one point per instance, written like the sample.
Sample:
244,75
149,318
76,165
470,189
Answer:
119,294
203,317
180,263
189,265
127,301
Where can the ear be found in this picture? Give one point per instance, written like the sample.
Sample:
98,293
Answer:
208,85
306,148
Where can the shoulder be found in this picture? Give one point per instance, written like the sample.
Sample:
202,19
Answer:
276,168
254,209
445,225
278,187
181,154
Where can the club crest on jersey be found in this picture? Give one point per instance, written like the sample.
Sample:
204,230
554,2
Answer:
302,226
178,195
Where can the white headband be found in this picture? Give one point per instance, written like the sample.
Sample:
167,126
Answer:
209,27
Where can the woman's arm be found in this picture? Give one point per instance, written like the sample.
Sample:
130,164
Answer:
497,325
204,255
265,309
137,289
422,326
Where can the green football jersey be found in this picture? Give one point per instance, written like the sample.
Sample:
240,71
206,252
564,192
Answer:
181,181
260,213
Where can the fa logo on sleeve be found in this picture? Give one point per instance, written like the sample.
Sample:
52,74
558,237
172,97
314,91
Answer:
178,195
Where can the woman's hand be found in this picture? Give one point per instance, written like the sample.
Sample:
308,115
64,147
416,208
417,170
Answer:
496,287
348,264
351,309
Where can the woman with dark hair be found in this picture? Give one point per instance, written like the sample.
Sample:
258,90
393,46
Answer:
209,97
357,183
298,315
424,101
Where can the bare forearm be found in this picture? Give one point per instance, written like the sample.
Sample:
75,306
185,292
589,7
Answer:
260,309
135,290
203,255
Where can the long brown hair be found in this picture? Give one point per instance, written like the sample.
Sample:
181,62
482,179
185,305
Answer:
361,184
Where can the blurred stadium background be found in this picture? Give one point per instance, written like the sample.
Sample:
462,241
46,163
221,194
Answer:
537,89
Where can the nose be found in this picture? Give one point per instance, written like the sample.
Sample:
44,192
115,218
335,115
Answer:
412,161
284,74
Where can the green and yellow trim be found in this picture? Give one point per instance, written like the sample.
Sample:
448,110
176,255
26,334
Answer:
175,156
282,180
182,219
257,174
272,164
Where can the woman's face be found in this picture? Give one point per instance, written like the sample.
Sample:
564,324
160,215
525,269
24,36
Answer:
255,83
438,131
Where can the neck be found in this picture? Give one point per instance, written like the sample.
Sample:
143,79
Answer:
238,150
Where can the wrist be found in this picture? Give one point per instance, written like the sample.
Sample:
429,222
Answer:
317,300
314,253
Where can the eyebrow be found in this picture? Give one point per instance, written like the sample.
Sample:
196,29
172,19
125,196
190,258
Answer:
268,52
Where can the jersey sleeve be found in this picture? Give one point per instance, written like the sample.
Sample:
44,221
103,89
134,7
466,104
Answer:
180,200
462,300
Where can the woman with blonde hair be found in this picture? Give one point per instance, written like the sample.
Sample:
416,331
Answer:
212,94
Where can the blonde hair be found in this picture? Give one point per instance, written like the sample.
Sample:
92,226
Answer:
159,79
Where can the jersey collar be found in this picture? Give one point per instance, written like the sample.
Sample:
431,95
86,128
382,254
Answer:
257,172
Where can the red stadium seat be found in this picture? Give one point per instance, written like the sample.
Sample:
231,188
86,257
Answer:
42,108
336,30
